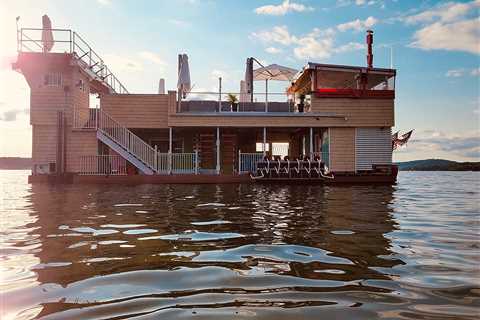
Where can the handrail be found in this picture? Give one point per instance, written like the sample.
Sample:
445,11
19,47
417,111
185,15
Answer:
78,47
127,140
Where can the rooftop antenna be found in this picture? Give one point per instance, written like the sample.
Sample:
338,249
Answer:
391,55
18,31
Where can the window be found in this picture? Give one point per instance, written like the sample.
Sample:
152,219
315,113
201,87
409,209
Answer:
53,79
81,85
259,147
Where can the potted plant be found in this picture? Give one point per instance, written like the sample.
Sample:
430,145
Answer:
233,101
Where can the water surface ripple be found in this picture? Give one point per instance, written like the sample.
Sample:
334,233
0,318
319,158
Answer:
408,251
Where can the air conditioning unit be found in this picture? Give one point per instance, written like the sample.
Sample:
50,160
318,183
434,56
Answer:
44,168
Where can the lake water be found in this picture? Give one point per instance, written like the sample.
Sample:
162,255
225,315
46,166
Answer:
409,251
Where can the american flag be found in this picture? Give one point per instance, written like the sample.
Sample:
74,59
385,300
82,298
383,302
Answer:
400,141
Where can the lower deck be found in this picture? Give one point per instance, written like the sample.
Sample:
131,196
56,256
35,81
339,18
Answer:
341,178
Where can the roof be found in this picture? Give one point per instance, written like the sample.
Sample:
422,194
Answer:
336,71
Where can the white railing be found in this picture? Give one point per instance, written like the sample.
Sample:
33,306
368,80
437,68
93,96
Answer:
66,40
162,163
103,165
185,162
127,139
247,162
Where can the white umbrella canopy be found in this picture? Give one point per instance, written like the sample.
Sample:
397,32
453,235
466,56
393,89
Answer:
274,72
183,84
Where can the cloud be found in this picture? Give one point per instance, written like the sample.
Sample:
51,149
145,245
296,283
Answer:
278,34
105,2
344,3
215,74
179,23
358,25
318,44
273,50
460,72
455,73
456,36
11,115
464,145
282,9
351,46
122,63
449,26
447,12
152,57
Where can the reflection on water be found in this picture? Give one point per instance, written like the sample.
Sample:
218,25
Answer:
244,251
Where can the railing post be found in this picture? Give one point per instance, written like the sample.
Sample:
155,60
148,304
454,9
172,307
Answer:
218,151
155,159
196,162
220,94
311,142
264,144
97,116
239,161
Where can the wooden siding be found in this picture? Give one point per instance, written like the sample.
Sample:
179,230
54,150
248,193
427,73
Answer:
44,143
359,112
325,113
292,121
342,149
79,143
138,110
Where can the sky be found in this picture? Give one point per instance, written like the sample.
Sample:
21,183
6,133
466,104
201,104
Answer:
435,45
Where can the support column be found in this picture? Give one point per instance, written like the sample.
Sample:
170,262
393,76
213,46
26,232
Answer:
170,143
218,150
311,142
266,95
264,144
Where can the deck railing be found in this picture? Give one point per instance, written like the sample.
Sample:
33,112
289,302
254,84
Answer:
185,162
103,165
247,162
127,139
219,102
68,41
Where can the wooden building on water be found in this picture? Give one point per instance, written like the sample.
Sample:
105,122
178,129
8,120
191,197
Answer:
333,123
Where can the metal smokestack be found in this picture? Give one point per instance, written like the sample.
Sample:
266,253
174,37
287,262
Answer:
369,49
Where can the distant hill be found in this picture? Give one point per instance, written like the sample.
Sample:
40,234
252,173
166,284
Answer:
438,165
15,163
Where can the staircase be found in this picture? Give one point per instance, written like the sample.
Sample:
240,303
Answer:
126,143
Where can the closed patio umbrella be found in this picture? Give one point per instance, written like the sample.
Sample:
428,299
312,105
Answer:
244,96
183,85
249,79
47,35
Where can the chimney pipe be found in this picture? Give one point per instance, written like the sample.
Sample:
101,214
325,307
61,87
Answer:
369,48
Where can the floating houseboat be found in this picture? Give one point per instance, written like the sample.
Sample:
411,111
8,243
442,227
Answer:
332,124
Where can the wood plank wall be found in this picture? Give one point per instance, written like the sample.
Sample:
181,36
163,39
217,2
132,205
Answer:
342,149
79,143
44,143
138,110
359,112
